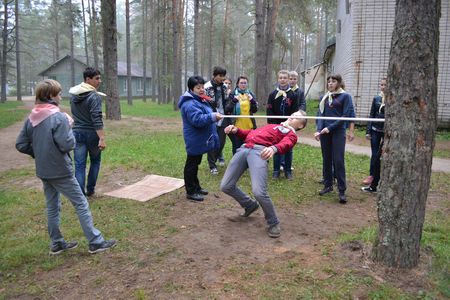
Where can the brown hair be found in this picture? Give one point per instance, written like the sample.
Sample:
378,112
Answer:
241,77
46,89
338,78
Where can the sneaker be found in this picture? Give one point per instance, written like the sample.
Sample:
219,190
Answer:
368,180
369,189
342,198
276,174
90,194
281,168
214,171
62,246
103,246
221,162
288,175
202,192
195,197
326,190
274,231
250,210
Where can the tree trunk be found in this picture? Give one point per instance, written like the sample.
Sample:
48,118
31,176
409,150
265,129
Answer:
210,37
176,64
55,17
225,36
259,52
86,52
196,32
4,57
109,24
72,46
153,45
144,49
159,54
18,72
94,35
128,42
186,40
411,110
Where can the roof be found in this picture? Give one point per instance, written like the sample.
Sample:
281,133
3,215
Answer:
136,70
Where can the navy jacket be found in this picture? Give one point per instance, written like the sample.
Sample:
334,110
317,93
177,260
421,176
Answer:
341,106
377,113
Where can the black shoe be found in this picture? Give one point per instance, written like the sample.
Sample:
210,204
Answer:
202,192
63,246
369,189
276,174
342,198
288,175
195,197
103,246
274,231
326,190
89,194
250,210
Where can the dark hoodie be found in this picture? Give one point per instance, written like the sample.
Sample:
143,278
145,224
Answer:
86,107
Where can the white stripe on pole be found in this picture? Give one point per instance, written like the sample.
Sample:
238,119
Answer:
307,117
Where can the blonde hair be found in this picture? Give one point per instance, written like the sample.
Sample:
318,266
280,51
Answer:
283,72
293,73
298,114
46,89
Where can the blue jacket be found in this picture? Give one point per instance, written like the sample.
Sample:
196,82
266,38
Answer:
341,106
199,125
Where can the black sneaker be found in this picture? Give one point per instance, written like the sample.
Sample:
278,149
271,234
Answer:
288,175
250,210
62,246
369,189
326,190
195,197
90,194
342,198
274,231
202,192
103,246
276,174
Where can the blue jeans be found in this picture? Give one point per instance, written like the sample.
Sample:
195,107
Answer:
279,158
68,186
87,142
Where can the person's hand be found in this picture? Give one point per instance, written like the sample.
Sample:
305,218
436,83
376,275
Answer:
267,153
230,129
235,99
218,116
317,136
101,144
325,131
368,137
350,135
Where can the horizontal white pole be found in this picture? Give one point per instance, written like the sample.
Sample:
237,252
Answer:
308,117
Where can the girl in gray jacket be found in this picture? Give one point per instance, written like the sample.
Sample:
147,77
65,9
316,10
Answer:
47,137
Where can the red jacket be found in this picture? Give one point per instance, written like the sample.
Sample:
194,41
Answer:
269,135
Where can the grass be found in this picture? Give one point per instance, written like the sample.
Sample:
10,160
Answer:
143,228
12,112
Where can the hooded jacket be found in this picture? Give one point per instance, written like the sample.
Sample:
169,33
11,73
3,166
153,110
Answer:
199,125
47,137
86,107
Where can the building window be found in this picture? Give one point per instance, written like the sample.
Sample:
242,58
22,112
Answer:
348,5
125,85
338,26
140,86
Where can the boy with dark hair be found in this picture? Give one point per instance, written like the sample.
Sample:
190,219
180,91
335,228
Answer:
86,107
217,91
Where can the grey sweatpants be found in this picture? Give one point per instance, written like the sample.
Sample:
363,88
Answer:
251,159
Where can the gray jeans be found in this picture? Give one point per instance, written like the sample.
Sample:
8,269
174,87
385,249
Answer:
69,187
251,159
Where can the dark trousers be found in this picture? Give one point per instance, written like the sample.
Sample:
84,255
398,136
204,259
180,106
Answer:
375,142
286,158
191,182
333,152
236,142
377,166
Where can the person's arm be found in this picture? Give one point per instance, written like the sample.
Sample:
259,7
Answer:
253,104
63,135
301,100
23,141
351,132
197,117
101,139
371,115
287,143
270,111
346,112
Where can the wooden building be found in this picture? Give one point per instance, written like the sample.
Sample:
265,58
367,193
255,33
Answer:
363,41
60,71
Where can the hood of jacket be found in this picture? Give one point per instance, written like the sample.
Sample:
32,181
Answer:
81,92
187,96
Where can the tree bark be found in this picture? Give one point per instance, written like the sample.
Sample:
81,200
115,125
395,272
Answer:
18,66
411,110
109,24
72,46
4,56
210,36
94,35
153,45
225,36
128,42
144,49
86,52
196,32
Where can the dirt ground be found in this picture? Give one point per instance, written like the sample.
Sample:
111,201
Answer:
209,241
